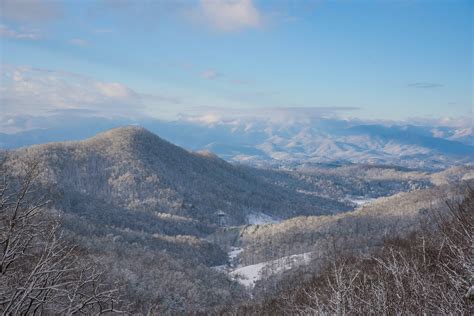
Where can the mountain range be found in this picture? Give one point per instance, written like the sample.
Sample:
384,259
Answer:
263,142
180,227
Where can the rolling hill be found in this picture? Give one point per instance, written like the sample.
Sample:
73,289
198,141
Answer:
133,169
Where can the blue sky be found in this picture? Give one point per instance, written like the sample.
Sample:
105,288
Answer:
390,60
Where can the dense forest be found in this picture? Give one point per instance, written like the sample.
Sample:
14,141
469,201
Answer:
107,243
430,271
236,157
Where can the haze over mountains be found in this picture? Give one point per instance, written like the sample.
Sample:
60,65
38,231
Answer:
289,142
150,211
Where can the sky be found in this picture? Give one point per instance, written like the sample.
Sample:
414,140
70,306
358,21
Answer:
387,60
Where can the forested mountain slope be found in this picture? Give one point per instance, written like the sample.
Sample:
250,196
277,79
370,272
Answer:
134,169
315,238
427,271
143,206
356,231
147,210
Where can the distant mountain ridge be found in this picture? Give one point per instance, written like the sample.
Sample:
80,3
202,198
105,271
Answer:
262,142
412,135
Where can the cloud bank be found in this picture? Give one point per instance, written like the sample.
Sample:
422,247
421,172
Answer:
37,91
281,115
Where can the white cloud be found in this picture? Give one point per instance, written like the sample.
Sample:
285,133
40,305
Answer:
465,121
33,91
114,90
38,91
207,119
78,42
281,115
22,34
231,15
210,74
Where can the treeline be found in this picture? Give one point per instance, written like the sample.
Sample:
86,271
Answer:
429,272
348,181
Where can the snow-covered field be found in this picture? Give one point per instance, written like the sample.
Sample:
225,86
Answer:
248,275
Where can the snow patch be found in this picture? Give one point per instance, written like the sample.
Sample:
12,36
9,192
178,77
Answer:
249,275
362,201
233,254
258,218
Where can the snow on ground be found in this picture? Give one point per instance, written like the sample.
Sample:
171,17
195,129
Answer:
258,218
248,275
234,252
221,268
362,201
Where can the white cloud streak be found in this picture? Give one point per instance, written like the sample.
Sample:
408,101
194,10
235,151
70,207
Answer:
36,91
231,15
22,34
284,115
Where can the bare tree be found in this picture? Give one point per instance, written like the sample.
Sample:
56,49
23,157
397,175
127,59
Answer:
40,271
430,271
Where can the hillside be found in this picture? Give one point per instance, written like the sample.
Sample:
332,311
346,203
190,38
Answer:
269,254
147,210
426,270
360,229
134,169
143,206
